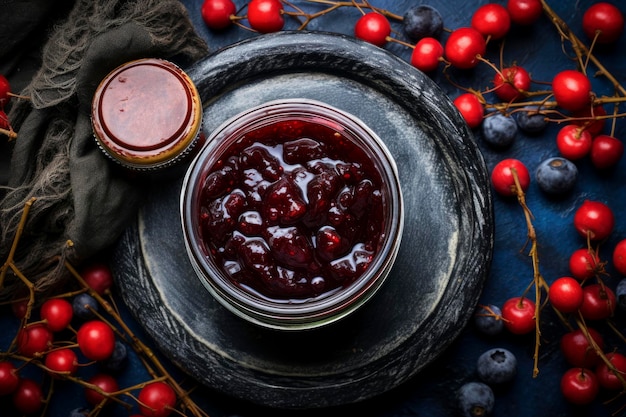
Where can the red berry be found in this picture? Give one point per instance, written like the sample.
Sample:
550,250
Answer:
427,54
58,313
524,12
9,379
491,20
607,378
98,276
470,108
578,351
5,92
62,360
572,90
157,400
217,13
619,257
28,397
373,28
106,383
598,302
96,340
591,118
518,314
34,339
579,386
606,151
464,47
566,294
594,220
19,308
605,21
583,264
503,179
266,16
511,83
573,142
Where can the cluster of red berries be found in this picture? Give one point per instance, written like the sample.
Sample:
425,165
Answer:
58,339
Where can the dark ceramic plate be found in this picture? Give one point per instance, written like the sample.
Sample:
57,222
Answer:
434,285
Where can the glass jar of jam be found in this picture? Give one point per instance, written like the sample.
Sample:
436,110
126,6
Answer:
292,214
147,114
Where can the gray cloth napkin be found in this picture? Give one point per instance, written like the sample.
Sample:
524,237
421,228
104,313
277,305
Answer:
80,195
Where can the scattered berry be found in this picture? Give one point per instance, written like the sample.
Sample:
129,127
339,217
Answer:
470,108
511,83
579,386
62,360
491,20
578,351
34,339
427,54
583,264
5,92
84,306
499,131
603,22
475,399
422,22
28,397
96,340
58,314
572,90
118,359
556,175
519,315
496,366
157,399
503,177
566,294
488,320
620,294
606,151
217,13
98,276
9,379
530,120
598,303
373,28
106,383
594,220
266,16
619,257
524,12
464,48
574,142
607,378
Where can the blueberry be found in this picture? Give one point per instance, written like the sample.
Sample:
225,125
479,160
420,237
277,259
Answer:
422,22
83,304
475,399
488,320
499,130
79,412
496,366
620,293
530,120
556,175
118,358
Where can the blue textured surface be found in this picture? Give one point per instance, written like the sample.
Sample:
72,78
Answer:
538,49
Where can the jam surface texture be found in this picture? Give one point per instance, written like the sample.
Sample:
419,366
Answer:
293,210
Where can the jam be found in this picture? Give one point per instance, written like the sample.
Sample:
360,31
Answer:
293,209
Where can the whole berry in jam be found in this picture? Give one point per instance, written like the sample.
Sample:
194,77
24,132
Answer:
422,22
292,210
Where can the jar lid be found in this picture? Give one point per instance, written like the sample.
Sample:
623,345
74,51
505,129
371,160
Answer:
146,114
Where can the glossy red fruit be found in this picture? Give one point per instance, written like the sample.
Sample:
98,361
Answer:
157,399
19,308
373,28
518,314
491,20
583,264
470,108
605,21
599,302
464,47
578,351
566,294
524,12
28,397
9,379
427,54
58,313
98,276
607,378
511,83
217,14
503,177
5,91
594,220
574,142
572,90
34,339
96,340
106,383
266,16
579,386
586,118
606,151
619,257
62,360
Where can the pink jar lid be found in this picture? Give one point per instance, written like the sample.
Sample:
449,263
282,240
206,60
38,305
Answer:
146,114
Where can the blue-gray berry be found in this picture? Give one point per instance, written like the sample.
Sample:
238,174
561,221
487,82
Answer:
475,399
488,320
556,175
620,294
496,366
499,130
530,120
84,306
421,22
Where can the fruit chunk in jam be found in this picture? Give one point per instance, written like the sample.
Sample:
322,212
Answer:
293,210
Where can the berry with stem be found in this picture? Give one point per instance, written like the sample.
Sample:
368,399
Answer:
427,54
96,340
465,47
374,28
572,90
488,319
584,264
57,313
606,151
422,21
62,361
524,12
511,83
217,14
577,348
603,23
598,303
574,142
28,397
566,294
519,315
594,220
531,120
34,339
579,386
266,16
470,108
619,257
103,382
492,20
510,176
499,131
157,399
9,378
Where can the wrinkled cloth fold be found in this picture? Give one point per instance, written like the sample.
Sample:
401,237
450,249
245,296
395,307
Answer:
82,201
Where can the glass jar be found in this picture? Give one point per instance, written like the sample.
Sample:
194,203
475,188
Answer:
147,114
292,214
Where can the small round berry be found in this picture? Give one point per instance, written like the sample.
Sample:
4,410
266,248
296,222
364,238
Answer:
619,257
519,315
531,120
266,16
84,306
373,28
62,361
598,303
58,314
422,22
118,359
427,54
104,382
464,48
157,399
496,366
606,151
556,175
488,319
607,377
491,20
5,92
584,264
504,174
98,277
579,386
475,399
9,378
594,220
578,351
28,397
511,83
603,22
217,13
574,142
470,108
524,12
499,131
96,340
34,339
620,294
566,294
572,90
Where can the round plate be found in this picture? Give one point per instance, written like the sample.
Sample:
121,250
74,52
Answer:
439,272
